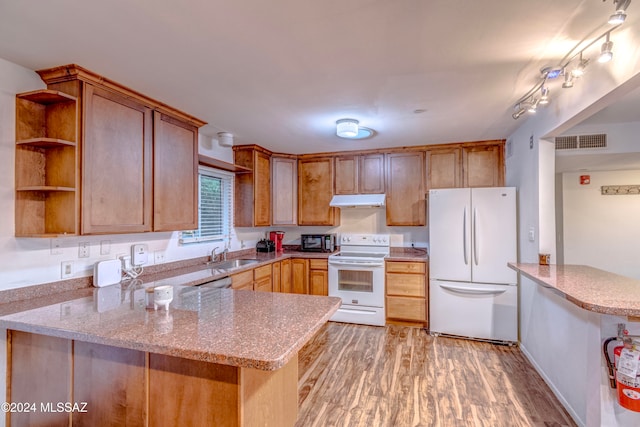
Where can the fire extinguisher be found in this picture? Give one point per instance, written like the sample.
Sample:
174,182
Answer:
628,387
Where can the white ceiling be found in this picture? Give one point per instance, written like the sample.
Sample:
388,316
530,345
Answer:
280,72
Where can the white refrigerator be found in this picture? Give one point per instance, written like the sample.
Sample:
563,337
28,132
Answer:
472,237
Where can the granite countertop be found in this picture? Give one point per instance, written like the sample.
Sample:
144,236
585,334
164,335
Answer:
408,254
250,329
587,287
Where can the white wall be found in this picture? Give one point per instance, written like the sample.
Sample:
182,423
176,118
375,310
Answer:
602,231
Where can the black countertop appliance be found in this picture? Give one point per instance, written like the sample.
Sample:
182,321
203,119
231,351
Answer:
266,245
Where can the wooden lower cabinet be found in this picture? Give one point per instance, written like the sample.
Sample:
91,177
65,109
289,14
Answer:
318,277
299,276
112,382
285,276
38,370
242,280
262,280
406,292
135,388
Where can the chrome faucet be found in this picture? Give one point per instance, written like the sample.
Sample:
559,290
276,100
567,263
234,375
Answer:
213,254
224,253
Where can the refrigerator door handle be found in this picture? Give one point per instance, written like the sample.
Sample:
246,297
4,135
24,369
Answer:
464,236
475,237
471,290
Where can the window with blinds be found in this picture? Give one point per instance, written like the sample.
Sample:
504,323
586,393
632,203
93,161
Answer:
215,213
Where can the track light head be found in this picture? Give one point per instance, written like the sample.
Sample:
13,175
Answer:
568,81
621,12
579,70
617,18
544,96
518,111
606,53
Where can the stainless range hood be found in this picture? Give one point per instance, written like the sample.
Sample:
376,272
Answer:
358,201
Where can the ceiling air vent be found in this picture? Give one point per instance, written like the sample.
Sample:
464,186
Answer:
581,142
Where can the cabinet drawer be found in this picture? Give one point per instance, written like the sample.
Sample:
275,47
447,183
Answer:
406,308
406,285
405,267
242,280
263,285
318,264
262,272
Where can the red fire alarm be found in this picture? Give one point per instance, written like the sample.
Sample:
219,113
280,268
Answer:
585,179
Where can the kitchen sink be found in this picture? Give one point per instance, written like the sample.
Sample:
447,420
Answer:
233,263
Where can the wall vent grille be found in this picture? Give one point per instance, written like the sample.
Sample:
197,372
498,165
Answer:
593,141
581,142
566,143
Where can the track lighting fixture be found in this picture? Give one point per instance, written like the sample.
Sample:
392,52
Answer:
606,54
544,96
621,12
565,68
579,70
519,110
568,81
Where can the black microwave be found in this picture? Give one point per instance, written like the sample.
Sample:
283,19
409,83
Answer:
318,242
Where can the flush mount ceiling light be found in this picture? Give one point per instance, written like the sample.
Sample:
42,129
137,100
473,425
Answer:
621,12
351,129
529,102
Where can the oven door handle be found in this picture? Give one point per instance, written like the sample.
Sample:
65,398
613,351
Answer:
357,263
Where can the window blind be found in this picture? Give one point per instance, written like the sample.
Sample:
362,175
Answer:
215,211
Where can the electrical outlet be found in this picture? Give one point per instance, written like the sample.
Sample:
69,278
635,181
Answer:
158,257
66,269
105,247
83,250
56,247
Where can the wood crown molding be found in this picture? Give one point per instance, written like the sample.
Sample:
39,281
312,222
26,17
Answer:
70,72
411,148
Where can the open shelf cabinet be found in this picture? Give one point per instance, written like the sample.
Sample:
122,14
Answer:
46,164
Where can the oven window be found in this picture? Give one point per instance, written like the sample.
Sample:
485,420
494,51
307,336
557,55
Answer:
355,281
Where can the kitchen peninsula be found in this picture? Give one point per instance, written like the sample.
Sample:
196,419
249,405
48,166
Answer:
216,357
574,308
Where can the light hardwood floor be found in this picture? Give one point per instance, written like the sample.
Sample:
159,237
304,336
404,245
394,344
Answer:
355,375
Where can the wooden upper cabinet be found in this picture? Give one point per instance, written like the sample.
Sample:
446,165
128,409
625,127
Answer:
371,174
47,173
175,174
405,203
483,165
346,181
253,190
444,168
116,163
315,190
359,174
284,191
122,136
